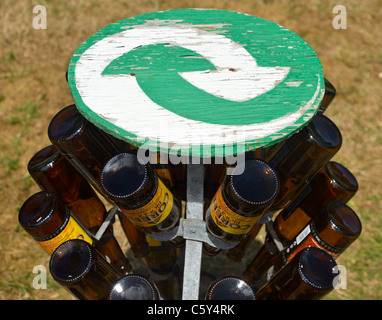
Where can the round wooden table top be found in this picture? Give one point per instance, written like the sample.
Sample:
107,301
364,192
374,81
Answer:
198,82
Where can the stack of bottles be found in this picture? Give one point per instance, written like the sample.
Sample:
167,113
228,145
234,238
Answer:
294,188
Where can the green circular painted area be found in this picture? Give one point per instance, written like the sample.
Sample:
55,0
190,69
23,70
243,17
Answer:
200,82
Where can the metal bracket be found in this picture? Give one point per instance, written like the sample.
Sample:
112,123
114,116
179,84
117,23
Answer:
106,222
192,228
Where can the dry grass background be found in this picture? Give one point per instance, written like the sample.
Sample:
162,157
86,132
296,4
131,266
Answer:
33,88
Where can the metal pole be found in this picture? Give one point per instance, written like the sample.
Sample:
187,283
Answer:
193,248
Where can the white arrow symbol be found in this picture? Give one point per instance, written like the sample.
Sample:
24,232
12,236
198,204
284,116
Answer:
238,77
120,100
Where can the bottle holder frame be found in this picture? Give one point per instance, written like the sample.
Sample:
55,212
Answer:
193,229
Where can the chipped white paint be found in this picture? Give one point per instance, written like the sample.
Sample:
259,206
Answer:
107,95
120,100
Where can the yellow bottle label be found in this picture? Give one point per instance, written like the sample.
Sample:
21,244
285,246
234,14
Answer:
155,211
152,243
71,231
228,220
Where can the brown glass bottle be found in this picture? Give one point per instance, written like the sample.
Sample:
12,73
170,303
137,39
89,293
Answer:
237,253
333,229
136,238
162,260
87,147
343,187
140,194
53,172
264,153
82,270
230,288
162,256
213,176
302,156
333,182
330,94
241,201
50,222
159,162
163,171
310,275
179,177
134,287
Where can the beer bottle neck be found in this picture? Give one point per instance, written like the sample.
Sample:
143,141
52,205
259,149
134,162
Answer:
230,288
80,268
134,287
310,274
129,183
42,215
252,191
337,225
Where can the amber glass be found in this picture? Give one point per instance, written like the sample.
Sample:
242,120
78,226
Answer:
310,275
302,156
83,144
330,93
163,171
214,174
262,261
83,270
230,288
86,147
264,153
238,252
333,182
241,201
159,162
140,194
134,287
179,177
333,229
49,221
162,256
53,172
135,236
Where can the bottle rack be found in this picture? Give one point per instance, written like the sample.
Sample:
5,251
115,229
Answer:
193,230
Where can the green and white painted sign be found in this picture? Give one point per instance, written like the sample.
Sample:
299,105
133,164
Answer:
200,81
